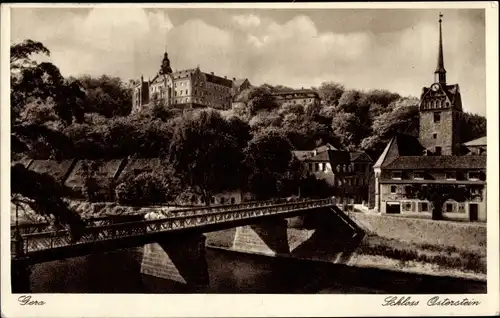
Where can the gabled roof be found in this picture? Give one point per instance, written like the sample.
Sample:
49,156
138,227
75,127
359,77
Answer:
438,162
325,147
399,145
238,82
451,91
477,142
359,156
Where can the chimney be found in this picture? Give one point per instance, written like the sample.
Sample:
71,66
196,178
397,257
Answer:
212,73
234,78
225,77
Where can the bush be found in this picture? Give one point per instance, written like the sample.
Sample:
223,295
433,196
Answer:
144,189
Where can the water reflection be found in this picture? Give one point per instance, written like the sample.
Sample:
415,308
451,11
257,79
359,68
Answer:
230,272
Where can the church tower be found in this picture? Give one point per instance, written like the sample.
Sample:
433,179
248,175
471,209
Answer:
440,108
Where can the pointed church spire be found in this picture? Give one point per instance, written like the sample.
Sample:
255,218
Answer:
440,73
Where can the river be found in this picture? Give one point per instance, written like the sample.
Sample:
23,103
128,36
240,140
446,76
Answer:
233,272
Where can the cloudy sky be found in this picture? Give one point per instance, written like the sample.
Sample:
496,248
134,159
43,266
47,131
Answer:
363,49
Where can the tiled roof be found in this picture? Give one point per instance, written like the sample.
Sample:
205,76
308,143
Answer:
59,170
302,154
219,80
476,142
399,145
24,161
438,162
239,82
325,148
321,157
359,155
183,73
141,164
296,91
106,170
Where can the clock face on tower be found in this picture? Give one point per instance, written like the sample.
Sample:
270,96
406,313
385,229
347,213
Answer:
435,87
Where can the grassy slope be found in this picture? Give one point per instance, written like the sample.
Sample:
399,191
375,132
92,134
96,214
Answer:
445,257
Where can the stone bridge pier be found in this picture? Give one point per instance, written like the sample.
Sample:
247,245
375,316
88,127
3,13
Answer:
180,258
267,237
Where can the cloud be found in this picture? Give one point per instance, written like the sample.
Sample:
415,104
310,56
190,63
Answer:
296,53
247,21
103,40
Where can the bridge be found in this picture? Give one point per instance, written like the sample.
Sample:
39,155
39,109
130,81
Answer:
179,235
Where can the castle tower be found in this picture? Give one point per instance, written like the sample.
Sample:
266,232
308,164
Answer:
440,107
165,64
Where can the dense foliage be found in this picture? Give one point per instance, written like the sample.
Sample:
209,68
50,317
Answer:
206,151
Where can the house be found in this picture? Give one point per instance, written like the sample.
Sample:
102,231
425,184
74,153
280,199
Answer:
476,146
299,96
347,170
435,157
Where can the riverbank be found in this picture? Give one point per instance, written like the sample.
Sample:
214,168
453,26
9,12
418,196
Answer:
410,255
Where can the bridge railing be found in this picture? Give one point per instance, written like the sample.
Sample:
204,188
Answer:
50,240
29,228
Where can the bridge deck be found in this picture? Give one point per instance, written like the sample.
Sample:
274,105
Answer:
46,246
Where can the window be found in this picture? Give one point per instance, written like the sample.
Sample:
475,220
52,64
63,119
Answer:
438,151
232,200
451,175
393,189
449,207
222,200
461,208
407,206
396,175
316,166
434,136
324,166
424,207
437,117
213,200
418,175
474,175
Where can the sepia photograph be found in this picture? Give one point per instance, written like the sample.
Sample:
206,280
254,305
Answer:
197,149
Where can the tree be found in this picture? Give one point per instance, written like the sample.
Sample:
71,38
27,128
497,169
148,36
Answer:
438,194
268,158
260,98
160,186
108,96
330,93
205,152
387,124
40,82
471,126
